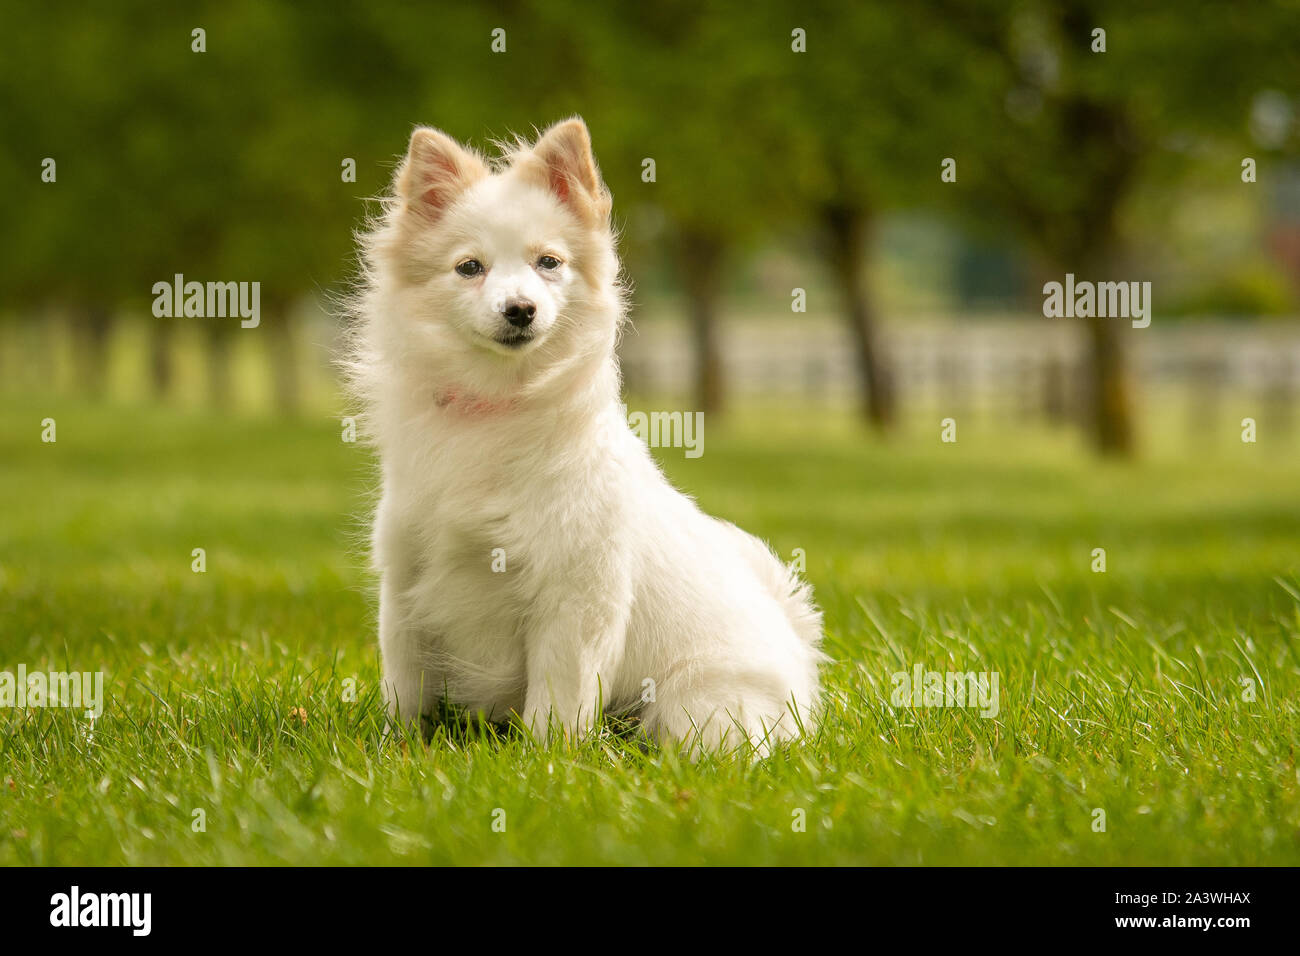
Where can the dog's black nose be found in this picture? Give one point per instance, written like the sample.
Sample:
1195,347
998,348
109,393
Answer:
519,312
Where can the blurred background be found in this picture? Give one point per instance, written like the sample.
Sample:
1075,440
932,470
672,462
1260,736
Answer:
779,180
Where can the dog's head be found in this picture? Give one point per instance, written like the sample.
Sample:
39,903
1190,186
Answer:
504,265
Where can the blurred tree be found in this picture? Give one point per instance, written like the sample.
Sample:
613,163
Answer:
1088,116
872,108
679,102
69,200
226,164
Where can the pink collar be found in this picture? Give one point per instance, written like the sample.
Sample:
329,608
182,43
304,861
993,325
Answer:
454,399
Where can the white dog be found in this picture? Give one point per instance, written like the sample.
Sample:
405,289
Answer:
534,561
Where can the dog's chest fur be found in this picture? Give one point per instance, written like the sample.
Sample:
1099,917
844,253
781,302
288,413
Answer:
477,525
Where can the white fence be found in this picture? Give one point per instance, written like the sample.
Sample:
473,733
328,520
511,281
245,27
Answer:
1004,366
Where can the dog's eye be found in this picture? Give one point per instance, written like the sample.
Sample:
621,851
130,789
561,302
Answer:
548,263
469,268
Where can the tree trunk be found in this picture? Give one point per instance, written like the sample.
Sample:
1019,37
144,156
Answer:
701,263
1103,143
282,341
161,334
1112,401
848,230
92,326
10,348
39,343
218,362
1108,413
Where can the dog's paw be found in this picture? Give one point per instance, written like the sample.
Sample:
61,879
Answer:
547,726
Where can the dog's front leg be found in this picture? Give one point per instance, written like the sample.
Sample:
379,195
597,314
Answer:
572,658
410,691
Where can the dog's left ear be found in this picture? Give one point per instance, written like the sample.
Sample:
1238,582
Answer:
562,161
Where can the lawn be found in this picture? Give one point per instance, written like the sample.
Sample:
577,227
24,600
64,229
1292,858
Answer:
242,723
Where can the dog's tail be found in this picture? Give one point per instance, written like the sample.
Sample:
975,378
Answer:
796,598
792,592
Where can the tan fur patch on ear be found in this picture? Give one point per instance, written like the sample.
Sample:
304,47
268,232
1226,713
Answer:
436,171
562,161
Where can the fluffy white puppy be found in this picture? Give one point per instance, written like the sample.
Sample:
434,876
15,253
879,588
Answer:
534,561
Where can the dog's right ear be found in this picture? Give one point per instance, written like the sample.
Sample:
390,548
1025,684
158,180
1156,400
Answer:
436,170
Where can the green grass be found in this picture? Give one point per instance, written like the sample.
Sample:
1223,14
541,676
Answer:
228,691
